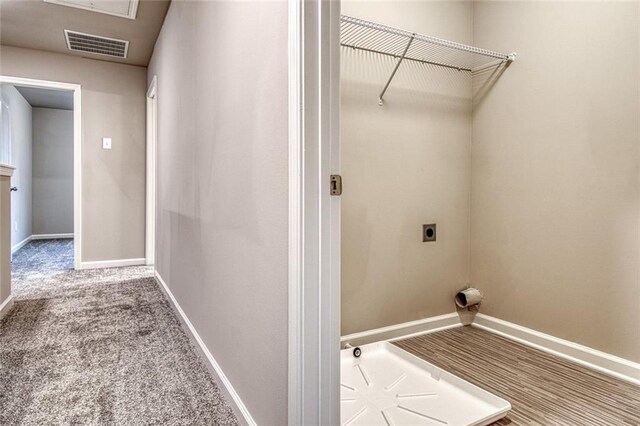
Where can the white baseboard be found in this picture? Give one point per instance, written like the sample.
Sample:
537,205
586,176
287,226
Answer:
404,330
111,263
591,358
6,306
38,237
50,236
21,244
82,265
232,396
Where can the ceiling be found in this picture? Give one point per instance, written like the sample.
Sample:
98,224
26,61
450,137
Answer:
36,24
47,98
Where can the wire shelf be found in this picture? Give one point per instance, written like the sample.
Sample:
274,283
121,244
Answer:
404,45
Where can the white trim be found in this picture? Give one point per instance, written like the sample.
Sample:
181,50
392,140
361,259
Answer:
77,175
6,170
403,330
30,238
50,236
314,229
239,407
45,84
111,263
6,306
77,149
330,235
152,142
591,358
131,13
296,242
153,87
21,244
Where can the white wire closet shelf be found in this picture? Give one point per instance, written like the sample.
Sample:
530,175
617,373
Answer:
408,46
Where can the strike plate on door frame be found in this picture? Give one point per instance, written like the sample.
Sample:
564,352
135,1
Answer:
335,185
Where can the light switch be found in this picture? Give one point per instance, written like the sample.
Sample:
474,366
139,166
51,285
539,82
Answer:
106,143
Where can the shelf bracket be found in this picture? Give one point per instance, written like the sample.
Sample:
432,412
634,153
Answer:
393,73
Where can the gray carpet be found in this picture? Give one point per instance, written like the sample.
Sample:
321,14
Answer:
97,347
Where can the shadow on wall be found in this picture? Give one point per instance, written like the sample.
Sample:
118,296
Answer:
417,85
484,79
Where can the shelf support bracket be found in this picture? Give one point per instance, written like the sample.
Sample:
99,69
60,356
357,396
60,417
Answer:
393,73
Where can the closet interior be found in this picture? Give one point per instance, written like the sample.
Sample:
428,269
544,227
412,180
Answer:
470,167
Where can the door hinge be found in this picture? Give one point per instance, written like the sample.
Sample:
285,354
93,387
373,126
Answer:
335,185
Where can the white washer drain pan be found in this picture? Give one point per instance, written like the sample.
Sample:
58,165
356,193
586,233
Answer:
389,386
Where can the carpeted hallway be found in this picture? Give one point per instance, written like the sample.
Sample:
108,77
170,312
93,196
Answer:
98,346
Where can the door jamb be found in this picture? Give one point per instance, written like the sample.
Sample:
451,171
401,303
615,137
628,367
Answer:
152,145
314,216
77,151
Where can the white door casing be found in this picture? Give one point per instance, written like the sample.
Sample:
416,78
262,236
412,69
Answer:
152,143
314,215
77,151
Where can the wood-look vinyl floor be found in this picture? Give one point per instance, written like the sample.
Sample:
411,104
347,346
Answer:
543,389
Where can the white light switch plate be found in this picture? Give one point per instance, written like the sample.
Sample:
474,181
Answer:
106,143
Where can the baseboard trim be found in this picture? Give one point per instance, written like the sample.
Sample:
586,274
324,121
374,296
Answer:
591,358
82,265
21,244
38,237
6,306
111,263
404,330
233,398
50,236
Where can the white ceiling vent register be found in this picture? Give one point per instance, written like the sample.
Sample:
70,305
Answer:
123,8
81,42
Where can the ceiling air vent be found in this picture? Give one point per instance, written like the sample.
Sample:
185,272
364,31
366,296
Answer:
81,42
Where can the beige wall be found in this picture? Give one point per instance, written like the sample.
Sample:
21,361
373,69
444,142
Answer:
52,171
404,164
556,162
222,217
113,104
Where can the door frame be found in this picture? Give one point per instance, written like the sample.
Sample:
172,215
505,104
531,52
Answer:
152,144
77,150
314,215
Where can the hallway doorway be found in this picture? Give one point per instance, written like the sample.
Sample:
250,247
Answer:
41,138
